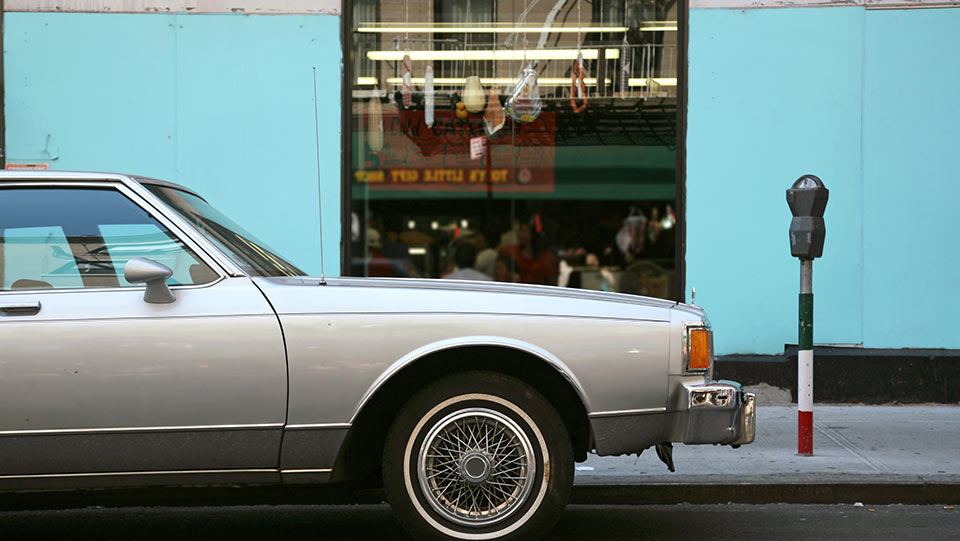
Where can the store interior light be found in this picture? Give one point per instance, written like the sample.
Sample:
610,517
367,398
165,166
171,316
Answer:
658,26
662,81
497,55
495,81
510,81
417,250
495,28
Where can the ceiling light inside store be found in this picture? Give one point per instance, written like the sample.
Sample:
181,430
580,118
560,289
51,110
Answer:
367,81
400,28
499,81
464,223
413,250
490,54
411,224
434,225
658,26
663,81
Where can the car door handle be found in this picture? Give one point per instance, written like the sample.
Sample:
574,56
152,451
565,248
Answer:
20,308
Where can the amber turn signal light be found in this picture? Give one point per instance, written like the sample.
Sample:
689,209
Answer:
699,349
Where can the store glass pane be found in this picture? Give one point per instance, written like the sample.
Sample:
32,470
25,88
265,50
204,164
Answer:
524,141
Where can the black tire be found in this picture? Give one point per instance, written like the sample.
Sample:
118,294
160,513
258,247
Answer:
522,482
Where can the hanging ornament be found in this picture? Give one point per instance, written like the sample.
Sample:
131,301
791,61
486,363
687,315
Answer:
461,110
624,68
374,124
407,92
473,97
523,105
428,96
578,89
493,118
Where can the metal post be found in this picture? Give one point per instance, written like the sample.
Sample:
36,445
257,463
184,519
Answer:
805,361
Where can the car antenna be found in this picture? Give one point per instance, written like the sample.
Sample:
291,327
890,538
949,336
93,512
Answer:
316,124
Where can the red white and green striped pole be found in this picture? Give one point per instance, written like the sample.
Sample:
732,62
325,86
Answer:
807,199
805,361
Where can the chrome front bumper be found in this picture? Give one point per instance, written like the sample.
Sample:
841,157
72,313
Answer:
719,413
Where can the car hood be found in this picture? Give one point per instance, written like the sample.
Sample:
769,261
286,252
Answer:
297,295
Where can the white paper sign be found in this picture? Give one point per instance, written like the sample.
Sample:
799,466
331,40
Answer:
478,145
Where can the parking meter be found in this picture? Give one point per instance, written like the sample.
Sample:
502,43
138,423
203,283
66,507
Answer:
807,199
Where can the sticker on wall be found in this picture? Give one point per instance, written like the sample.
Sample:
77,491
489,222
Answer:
28,166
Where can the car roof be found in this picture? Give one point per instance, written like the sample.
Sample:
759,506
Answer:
165,183
10,175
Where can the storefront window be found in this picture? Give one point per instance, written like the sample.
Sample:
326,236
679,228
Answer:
524,141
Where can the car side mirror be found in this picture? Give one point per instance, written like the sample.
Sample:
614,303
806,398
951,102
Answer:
139,270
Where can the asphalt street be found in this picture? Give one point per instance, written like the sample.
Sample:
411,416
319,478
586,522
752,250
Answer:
734,522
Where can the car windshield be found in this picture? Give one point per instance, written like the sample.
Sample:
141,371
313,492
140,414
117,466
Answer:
247,251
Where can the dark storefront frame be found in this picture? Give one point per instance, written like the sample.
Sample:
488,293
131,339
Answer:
346,142
683,27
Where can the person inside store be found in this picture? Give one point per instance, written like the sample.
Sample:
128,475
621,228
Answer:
377,265
535,264
397,252
505,269
465,257
486,256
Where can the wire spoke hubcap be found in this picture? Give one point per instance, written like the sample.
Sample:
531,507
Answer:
476,467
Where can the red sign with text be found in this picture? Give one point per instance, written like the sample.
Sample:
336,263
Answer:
519,158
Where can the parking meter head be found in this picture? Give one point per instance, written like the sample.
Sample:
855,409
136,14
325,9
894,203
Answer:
808,200
808,196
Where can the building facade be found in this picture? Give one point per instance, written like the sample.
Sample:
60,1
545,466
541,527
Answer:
673,176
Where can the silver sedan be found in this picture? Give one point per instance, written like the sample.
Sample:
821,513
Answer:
149,340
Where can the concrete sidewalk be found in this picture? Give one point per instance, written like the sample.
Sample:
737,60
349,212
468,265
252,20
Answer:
873,454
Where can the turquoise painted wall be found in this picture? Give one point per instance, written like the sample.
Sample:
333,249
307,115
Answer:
223,103
911,171
220,103
867,101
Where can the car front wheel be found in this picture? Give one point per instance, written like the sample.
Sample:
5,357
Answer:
478,456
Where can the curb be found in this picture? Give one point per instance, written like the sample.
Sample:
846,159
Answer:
874,493
917,493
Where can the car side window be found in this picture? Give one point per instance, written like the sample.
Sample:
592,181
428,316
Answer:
37,258
125,241
72,238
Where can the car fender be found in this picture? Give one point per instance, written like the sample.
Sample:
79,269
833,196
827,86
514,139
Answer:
464,341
